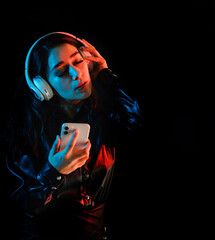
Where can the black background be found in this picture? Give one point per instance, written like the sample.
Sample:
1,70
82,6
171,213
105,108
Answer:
163,53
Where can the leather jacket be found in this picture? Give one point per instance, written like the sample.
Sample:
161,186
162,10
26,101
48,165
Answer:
39,183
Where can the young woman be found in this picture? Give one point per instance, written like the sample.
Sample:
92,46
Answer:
62,193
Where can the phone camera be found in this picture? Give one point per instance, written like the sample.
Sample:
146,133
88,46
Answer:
66,128
65,132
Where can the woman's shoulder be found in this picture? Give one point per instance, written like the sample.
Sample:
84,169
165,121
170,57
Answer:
121,108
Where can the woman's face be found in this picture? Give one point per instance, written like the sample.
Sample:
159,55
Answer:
68,73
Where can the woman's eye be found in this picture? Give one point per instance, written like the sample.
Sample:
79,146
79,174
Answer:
65,70
62,72
77,62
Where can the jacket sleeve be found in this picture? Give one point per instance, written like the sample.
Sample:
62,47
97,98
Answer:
35,189
124,111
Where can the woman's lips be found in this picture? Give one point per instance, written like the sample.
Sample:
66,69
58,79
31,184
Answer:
81,86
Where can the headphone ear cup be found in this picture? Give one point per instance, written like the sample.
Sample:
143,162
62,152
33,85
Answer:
90,66
43,87
86,54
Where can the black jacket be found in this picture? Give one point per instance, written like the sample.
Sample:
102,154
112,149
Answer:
38,183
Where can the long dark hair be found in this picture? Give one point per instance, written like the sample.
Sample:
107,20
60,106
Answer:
28,114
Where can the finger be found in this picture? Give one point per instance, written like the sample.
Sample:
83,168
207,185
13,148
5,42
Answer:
85,148
84,152
58,143
87,43
93,59
88,145
71,142
81,161
91,50
55,146
80,154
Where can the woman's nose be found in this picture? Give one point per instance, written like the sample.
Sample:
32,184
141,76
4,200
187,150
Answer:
74,73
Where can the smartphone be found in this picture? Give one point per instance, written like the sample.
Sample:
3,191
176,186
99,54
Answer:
67,130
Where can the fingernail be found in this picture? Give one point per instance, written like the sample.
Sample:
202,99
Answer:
86,145
76,130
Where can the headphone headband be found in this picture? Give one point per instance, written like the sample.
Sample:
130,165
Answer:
38,85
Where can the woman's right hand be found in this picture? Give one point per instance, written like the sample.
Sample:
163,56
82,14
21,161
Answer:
69,159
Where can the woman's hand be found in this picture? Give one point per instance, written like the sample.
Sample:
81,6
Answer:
99,62
69,159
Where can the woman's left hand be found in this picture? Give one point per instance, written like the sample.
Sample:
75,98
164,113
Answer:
99,62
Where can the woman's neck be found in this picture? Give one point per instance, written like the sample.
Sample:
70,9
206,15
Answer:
70,108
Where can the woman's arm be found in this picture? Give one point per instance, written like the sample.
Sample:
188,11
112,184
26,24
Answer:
124,109
34,190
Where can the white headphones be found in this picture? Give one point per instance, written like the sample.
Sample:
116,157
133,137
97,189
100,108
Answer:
39,86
